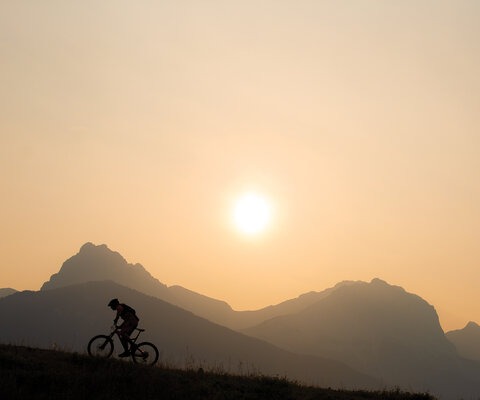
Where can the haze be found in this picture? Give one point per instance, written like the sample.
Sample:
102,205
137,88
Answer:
140,124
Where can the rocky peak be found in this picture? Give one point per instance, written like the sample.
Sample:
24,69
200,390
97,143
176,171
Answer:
99,263
472,325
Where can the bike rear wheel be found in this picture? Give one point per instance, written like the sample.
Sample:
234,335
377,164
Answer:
100,346
145,353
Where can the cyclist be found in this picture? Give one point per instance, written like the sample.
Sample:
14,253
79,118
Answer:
130,322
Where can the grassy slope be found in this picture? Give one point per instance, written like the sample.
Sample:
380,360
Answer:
27,373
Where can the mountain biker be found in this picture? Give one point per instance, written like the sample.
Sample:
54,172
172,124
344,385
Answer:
130,322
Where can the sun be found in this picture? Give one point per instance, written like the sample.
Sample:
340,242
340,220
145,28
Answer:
252,213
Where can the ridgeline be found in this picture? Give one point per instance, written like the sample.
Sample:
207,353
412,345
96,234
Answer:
31,373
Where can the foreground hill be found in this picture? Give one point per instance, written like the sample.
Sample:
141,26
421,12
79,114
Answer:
382,331
29,373
467,341
69,316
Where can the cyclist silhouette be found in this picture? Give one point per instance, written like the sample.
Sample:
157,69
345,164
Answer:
130,322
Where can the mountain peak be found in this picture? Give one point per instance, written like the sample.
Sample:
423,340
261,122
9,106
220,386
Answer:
99,263
472,325
89,246
378,281
467,340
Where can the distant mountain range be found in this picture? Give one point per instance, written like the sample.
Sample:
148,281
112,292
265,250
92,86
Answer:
355,334
98,263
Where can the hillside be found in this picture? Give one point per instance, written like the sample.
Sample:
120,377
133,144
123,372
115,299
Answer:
29,373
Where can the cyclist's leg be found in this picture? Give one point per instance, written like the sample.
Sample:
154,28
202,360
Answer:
126,330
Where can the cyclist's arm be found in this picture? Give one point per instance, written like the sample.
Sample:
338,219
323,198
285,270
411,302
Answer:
119,311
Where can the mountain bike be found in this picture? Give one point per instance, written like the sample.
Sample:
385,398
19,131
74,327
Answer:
143,353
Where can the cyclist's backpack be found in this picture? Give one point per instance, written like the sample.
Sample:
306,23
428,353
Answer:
128,310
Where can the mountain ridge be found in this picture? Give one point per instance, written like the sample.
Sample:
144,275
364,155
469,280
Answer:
98,262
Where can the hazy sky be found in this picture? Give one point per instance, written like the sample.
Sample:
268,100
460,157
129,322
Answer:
138,124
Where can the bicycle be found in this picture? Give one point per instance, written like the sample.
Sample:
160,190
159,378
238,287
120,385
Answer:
143,353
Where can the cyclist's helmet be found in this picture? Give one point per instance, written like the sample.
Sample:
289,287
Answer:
113,303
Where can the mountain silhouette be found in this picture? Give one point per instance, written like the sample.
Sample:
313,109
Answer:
381,330
467,340
4,292
99,263
375,328
67,317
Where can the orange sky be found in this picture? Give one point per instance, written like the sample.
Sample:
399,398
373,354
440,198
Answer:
138,125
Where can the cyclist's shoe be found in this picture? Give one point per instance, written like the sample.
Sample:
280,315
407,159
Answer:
124,354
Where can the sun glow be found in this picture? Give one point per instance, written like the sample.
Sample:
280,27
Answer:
252,213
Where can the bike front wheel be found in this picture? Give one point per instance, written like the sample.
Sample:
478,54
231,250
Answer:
100,346
145,353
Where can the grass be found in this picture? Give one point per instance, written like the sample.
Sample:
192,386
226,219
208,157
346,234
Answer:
30,373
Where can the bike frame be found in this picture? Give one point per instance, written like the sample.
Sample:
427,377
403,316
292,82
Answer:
131,340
